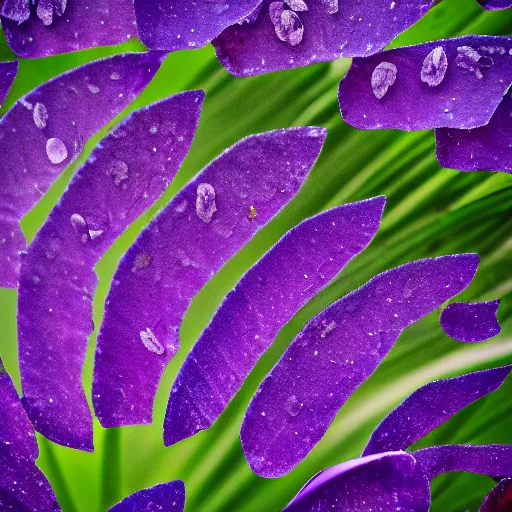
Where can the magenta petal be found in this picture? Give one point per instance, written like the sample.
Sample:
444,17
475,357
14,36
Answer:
203,226
125,174
428,407
300,397
184,24
471,323
494,460
266,298
487,148
495,5
499,499
16,431
8,72
82,24
168,497
357,29
386,482
23,487
450,83
46,130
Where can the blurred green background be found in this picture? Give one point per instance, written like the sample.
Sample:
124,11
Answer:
430,211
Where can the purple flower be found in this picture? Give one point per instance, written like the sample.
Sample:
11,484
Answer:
386,478
39,28
459,88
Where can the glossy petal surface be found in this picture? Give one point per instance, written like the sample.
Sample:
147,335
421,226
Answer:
500,498
471,323
169,497
321,372
479,71
23,488
385,482
430,406
486,148
68,109
202,227
265,299
83,24
125,174
356,29
184,24
493,459
8,72
16,431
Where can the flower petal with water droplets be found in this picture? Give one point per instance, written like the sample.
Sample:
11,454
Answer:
184,24
323,372
362,29
168,497
264,171
487,148
479,71
265,299
8,71
471,323
57,279
428,407
57,26
494,460
73,115
386,482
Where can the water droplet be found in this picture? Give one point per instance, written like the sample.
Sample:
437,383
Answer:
332,6
119,170
93,88
297,5
292,405
44,12
115,76
151,342
328,328
141,260
153,130
95,233
469,59
40,115
56,150
205,202
252,212
434,67
383,77
287,24
80,226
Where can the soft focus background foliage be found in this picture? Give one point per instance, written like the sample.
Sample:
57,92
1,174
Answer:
430,211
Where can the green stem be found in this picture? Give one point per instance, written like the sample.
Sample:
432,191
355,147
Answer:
111,469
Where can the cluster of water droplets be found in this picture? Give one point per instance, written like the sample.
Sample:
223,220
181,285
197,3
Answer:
82,229
205,202
19,10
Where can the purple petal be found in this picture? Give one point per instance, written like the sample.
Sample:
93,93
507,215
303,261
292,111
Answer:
386,482
59,27
428,407
471,323
265,299
16,431
69,108
358,29
495,5
493,459
486,148
168,497
23,488
300,397
8,72
125,174
183,24
450,83
205,224
500,498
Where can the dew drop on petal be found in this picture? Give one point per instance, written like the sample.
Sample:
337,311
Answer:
297,5
115,76
275,9
332,6
151,342
292,405
44,11
119,170
93,88
40,115
56,150
470,60
383,77
252,212
80,227
290,28
95,233
205,202
434,67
